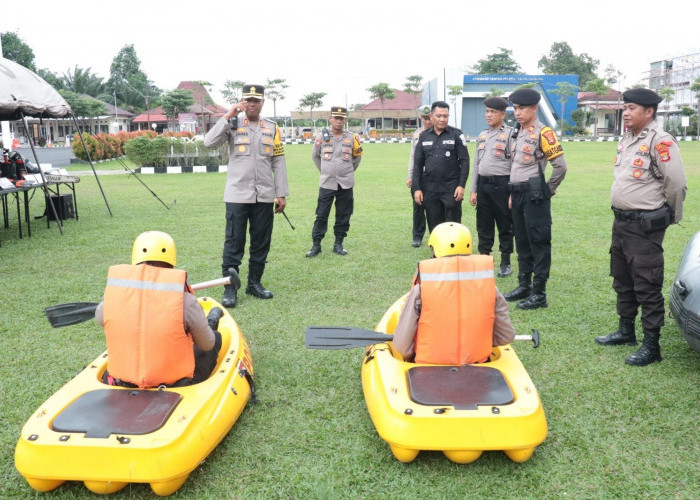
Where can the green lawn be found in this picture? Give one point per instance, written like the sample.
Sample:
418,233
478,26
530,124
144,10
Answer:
614,431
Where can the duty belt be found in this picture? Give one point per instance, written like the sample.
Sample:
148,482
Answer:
518,186
492,179
627,215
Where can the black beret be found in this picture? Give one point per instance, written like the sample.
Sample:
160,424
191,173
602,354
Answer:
253,91
498,103
525,97
645,97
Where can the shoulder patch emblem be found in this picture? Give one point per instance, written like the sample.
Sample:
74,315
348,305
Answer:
663,149
549,135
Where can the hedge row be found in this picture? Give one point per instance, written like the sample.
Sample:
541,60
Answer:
107,146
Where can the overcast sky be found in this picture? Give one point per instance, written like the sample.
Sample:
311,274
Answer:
342,48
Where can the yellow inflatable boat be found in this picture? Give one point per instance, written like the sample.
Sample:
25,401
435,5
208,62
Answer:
459,410
110,436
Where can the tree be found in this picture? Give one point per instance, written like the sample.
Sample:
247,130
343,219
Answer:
494,92
667,94
275,91
498,63
382,91
15,49
205,100
311,101
51,78
84,107
232,90
131,84
598,87
83,81
614,76
454,91
414,86
564,90
582,117
695,87
562,61
175,102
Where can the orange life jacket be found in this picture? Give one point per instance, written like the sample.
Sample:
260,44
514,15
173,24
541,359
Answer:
144,325
458,295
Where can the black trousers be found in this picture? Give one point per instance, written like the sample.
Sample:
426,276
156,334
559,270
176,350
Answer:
492,209
441,207
344,204
205,361
637,269
260,216
532,226
419,218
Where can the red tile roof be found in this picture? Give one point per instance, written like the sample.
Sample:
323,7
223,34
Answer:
402,101
611,96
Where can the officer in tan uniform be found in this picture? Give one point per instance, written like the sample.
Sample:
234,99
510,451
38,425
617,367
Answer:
256,186
419,219
489,185
337,155
534,145
647,196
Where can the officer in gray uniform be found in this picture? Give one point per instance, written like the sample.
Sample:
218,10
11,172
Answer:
419,218
337,155
256,187
534,145
489,185
647,196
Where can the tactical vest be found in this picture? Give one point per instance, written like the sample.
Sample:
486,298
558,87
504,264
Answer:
144,325
458,295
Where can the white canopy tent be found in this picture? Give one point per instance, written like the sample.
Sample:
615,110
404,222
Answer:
24,93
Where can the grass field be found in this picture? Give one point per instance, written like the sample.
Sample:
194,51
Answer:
614,431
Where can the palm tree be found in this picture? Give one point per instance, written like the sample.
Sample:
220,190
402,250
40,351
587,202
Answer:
275,91
311,101
667,93
695,87
382,91
564,90
453,92
414,86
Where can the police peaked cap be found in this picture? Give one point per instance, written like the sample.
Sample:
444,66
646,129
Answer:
498,103
424,110
339,111
253,91
525,97
645,97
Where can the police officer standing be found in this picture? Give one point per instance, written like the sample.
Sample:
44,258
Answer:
418,210
440,168
256,187
489,185
337,155
534,145
647,196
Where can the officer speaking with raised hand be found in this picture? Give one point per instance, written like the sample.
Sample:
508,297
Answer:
534,145
489,186
647,196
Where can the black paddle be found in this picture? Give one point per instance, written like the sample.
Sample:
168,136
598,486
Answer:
78,312
347,337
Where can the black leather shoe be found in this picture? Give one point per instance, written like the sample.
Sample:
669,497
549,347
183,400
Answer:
416,242
315,250
534,301
338,248
230,296
522,292
505,271
257,290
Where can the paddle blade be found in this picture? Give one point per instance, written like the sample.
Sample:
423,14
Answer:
342,337
70,314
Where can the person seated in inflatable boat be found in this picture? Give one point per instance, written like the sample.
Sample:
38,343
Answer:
156,330
454,313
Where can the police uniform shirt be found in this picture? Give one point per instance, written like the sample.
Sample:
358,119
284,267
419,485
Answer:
441,161
257,171
412,156
535,145
337,159
492,153
649,172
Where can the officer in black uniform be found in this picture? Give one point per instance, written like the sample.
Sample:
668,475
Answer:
441,168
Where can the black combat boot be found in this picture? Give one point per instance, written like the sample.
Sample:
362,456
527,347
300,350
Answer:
338,247
315,249
230,296
538,297
505,266
624,335
523,291
650,352
256,289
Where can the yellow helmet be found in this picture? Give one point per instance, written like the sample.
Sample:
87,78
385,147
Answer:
154,245
450,238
